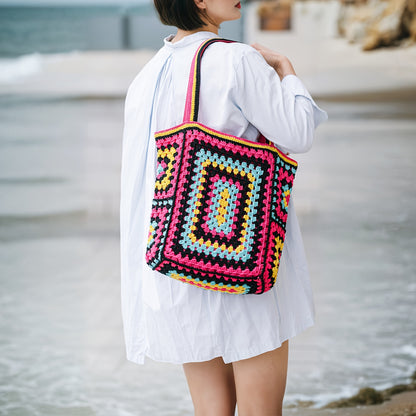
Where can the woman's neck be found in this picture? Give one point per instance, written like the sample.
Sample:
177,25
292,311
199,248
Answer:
180,34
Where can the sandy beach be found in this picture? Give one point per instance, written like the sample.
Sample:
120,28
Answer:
329,67
61,342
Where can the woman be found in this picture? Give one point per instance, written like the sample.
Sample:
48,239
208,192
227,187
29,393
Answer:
233,348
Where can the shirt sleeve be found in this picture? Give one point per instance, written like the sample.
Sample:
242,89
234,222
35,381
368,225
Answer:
283,111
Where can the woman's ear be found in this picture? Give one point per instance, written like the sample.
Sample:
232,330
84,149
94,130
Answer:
200,4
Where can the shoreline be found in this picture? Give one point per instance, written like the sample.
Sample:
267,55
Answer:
394,94
398,400
332,70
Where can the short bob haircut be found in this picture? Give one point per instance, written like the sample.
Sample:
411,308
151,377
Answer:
183,14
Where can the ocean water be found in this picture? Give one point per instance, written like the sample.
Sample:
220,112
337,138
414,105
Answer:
39,29
61,341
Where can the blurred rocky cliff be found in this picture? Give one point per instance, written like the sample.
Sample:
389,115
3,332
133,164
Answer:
376,23
370,23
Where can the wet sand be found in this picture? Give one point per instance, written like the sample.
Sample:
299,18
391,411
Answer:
403,404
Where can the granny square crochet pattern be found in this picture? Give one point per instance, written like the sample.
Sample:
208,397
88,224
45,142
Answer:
220,206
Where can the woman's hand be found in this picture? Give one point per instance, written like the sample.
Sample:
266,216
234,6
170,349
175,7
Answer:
279,62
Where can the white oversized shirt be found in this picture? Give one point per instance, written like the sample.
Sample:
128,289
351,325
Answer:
241,95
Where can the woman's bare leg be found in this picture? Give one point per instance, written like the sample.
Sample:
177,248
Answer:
261,382
211,384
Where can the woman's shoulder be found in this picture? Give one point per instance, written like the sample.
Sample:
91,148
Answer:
235,53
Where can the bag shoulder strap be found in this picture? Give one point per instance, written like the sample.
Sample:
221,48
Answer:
192,96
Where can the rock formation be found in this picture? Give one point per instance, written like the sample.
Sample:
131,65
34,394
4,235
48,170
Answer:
378,23
371,23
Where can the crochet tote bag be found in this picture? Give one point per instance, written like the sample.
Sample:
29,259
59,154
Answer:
220,204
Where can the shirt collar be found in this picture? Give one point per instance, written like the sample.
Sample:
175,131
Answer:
194,37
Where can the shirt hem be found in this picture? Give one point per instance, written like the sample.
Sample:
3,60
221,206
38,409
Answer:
227,357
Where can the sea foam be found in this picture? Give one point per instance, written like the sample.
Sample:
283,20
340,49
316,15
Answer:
14,69
408,349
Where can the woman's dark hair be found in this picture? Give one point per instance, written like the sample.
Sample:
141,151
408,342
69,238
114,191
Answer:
183,14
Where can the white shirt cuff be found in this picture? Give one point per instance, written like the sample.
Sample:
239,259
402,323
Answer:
292,83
